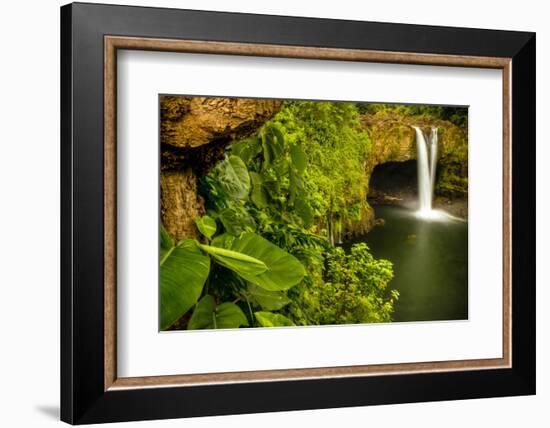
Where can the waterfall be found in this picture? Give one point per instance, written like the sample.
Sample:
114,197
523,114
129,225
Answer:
426,154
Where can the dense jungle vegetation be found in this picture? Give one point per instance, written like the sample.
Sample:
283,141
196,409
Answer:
276,206
455,115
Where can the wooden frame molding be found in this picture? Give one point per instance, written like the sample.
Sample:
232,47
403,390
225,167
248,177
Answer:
113,43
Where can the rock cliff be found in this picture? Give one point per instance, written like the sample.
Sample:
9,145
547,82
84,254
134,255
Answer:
194,133
393,140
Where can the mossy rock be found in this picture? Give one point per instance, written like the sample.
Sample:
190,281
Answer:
394,140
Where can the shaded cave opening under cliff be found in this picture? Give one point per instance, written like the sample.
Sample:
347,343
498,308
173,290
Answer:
396,183
392,182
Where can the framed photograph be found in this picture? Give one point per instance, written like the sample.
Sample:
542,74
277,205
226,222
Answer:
266,213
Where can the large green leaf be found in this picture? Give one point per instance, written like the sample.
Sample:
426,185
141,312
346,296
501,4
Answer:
232,175
238,262
206,226
208,315
183,272
247,149
269,319
283,269
268,300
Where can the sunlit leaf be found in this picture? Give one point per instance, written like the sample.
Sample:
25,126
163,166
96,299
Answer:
206,226
238,262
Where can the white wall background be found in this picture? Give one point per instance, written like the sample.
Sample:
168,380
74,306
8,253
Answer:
29,215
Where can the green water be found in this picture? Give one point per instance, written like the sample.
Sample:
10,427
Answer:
430,260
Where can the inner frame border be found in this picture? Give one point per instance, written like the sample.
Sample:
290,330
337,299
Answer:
113,43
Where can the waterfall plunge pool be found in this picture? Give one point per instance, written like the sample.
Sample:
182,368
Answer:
428,247
430,263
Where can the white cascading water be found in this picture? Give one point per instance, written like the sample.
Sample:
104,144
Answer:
426,154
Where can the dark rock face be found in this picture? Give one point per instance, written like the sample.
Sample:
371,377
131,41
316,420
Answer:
397,179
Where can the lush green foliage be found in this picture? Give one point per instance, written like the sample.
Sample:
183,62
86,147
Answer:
453,173
336,150
249,258
456,115
352,291
452,180
274,205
